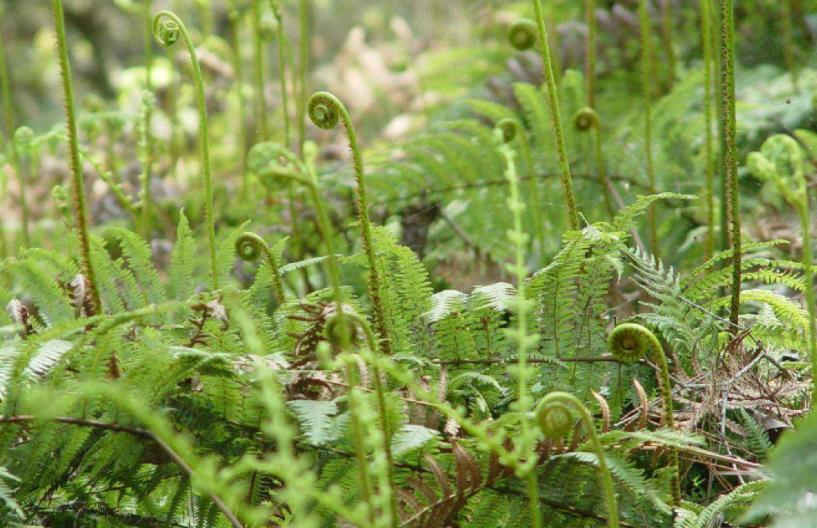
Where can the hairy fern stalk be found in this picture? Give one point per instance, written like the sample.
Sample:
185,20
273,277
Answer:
465,330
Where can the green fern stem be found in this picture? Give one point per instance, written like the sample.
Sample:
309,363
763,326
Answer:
667,39
511,130
805,223
8,118
709,147
22,157
249,247
282,69
167,27
590,74
147,169
647,79
629,342
730,153
148,101
260,99
303,68
788,43
524,341
556,416
382,409
77,184
590,52
325,110
238,68
556,118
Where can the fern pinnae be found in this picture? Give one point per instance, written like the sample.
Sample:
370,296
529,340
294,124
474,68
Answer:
77,183
167,28
555,414
556,118
325,110
250,247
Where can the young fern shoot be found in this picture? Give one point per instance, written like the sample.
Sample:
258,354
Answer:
630,342
326,111
80,212
556,414
556,117
167,28
250,247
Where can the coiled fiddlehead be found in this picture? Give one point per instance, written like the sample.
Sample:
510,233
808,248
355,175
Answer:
556,415
250,247
629,342
556,118
585,119
77,183
326,111
522,34
167,28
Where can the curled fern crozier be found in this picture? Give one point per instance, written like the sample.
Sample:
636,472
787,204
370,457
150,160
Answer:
324,110
522,34
585,119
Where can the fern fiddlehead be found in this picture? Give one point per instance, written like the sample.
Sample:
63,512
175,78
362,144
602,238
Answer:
250,247
730,152
167,28
585,119
556,415
80,212
522,34
629,342
556,118
326,111
511,130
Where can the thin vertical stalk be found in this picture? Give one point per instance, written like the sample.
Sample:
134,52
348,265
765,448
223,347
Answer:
148,136
238,68
709,147
556,118
808,275
730,153
9,122
303,68
77,183
590,74
260,99
167,32
282,69
666,37
788,43
325,110
647,79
